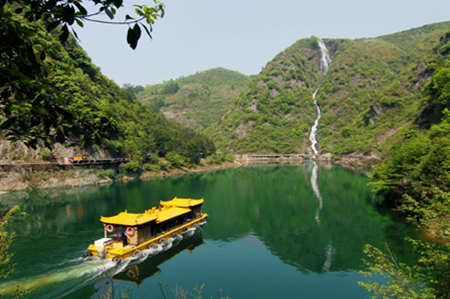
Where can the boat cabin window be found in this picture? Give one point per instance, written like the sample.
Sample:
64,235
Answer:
174,222
197,211
158,229
188,217
111,234
146,232
116,232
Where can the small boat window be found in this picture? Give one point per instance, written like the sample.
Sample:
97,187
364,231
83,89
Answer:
111,231
159,229
197,211
174,223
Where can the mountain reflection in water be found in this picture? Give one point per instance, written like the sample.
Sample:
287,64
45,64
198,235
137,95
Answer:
295,228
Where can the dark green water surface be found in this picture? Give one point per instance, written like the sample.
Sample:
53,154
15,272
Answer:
276,231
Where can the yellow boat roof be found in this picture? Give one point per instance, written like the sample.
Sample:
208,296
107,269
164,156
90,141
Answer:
182,202
129,219
170,209
171,213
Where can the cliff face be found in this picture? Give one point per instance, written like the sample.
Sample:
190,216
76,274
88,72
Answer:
372,88
25,168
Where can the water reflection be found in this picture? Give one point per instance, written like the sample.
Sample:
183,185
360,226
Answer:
330,251
313,219
137,273
315,186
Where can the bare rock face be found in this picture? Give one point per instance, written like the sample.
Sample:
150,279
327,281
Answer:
274,93
23,168
12,181
326,157
254,105
262,84
243,129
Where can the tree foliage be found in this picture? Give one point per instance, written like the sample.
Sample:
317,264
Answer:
404,282
32,110
100,111
372,88
6,268
415,179
196,101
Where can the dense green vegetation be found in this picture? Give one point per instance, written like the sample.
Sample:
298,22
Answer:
196,101
31,110
275,113
371,89
415,179
141,134
136,131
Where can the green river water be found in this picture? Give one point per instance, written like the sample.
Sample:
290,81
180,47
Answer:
274,231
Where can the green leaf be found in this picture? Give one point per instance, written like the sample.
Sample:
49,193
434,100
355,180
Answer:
137,31
50,4
146,30
133,36
6,124
118,3
80,8
109,13
75,34
68,14
52,25
79,22
64,33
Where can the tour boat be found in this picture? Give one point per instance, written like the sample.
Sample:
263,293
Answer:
129,234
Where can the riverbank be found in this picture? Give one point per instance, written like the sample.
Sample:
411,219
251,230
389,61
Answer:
22,178
19,179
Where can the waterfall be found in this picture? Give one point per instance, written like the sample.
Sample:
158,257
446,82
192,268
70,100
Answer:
325,62
325,59
313,135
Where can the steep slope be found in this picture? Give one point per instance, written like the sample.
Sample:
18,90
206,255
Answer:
371,89
276,112
141,135
141,132
378,93
196,101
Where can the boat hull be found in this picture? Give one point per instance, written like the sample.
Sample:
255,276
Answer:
117,253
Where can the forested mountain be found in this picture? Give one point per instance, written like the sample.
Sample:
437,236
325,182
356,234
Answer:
371,90
415,178
196,101
141,134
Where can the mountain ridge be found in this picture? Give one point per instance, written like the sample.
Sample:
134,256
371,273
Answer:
198,100
371,88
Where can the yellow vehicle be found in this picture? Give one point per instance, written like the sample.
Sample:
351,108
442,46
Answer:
128,234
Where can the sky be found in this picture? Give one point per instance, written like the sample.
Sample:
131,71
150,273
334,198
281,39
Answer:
241,35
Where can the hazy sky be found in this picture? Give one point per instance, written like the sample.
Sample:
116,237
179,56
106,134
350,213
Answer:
242,35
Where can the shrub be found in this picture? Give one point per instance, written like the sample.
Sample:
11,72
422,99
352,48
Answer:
100,174
175,159
110,173
346,131
132,167
46,155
